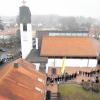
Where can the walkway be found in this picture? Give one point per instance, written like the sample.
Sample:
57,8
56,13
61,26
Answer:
53,88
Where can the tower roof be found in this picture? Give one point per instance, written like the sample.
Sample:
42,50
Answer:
25,14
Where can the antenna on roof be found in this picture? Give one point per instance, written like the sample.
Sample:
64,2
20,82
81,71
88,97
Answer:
23,2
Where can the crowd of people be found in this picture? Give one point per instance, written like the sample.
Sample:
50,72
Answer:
61,78
89,74
65,77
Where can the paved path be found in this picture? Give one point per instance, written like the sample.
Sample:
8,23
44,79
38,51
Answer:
53,88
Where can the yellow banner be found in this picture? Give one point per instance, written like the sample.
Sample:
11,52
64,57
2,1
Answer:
62,65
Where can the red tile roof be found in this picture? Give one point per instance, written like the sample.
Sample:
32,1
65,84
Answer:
67,46
98,67
21,83
9,31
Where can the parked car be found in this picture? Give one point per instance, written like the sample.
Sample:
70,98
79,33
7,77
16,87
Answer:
3,60
2,49
10,56
34,42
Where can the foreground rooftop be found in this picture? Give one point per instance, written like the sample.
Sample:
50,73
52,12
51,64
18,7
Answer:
19,80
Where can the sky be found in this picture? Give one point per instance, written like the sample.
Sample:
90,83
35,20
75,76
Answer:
86,8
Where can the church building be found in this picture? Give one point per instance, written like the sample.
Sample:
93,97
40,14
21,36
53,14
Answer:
76,48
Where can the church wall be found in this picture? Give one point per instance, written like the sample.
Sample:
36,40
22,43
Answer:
26,40
92,62
73,62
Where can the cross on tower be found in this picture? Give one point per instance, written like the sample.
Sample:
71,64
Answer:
23,2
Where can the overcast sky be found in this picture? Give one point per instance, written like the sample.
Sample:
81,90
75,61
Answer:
87,8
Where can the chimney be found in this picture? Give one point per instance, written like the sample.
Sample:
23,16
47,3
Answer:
16,65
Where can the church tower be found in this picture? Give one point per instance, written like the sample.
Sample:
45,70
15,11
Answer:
25,30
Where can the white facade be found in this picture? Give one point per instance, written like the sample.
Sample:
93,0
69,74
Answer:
72,62
68,34
36,43
37,65
26,40
69,63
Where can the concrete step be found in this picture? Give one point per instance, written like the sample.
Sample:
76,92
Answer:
55,96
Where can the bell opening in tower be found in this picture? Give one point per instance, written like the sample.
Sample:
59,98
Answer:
24,27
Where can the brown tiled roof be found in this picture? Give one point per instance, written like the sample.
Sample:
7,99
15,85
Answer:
98,67
67,46
21,83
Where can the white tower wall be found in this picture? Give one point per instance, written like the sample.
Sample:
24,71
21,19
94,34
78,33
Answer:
26,40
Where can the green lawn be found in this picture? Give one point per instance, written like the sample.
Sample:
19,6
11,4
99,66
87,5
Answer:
76,92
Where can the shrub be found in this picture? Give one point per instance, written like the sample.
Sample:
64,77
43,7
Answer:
86,85
96,87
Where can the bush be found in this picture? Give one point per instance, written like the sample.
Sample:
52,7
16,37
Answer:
96,87
91,86
86,85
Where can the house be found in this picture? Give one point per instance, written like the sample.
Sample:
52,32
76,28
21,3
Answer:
19,80
8,32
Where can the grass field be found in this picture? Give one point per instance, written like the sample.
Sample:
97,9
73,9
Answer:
76,92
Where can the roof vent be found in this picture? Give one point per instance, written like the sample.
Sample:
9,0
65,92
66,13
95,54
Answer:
38,89
40,80
16,65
